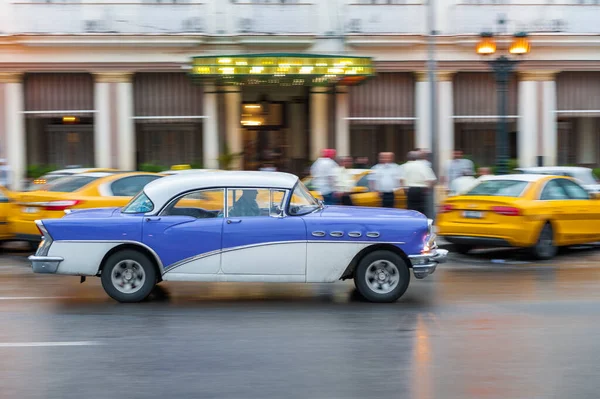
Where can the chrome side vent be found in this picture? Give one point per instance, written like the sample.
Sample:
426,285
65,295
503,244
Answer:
355,234
337,234
373,234
318,233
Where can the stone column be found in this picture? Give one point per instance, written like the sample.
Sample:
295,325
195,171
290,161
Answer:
537,118
114,126
210,132
445,120
126,123
342,127
549,121
12,127
102,120
445,112
318,121
233,104
422,111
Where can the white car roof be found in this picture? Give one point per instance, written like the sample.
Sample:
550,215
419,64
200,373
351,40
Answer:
95,174
572,169
186,171
528,177
162,190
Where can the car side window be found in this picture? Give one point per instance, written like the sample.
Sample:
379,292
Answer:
248,202
574,191
130,186
363,182
553,191
203,204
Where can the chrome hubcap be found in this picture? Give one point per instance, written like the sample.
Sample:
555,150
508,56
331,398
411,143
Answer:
128,276
382,276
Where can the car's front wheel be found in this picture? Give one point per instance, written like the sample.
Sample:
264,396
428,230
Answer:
128,276
382,276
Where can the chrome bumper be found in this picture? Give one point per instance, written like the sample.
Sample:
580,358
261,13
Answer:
45,264
424,264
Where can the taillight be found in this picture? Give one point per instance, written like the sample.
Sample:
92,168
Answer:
446,208
506,210
60,205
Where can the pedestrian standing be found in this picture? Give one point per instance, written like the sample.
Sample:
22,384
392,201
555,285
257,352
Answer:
419,178
4,174
457,166
324,174
345,181
386,178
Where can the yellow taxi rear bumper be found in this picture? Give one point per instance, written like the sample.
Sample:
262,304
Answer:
517,235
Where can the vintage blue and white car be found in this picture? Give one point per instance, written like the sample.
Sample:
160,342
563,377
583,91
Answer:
238,226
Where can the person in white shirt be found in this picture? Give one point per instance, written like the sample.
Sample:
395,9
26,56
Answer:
386,178
324,174
457,166
463,184
345,181
419,178
4,174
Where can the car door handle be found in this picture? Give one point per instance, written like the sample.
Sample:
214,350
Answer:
229,221
152,219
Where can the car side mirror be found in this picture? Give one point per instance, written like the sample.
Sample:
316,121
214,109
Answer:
595,196
359,189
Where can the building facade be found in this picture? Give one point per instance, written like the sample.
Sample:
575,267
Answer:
107,84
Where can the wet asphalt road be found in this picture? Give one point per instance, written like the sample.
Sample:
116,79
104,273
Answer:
491,325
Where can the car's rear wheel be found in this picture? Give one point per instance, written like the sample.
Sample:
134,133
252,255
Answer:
544,248
382,276
128,276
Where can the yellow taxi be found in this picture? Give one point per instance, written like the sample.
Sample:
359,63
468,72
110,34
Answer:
7,208
57,174
82,190
538,212
361,194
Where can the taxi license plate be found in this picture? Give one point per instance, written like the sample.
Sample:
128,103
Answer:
473,214
30,209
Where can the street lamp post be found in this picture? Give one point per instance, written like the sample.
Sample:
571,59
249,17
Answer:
503,68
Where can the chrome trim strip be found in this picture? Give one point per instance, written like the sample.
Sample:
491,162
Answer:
37,258
354,242
355,234
373,234
141,244
337,234
318,234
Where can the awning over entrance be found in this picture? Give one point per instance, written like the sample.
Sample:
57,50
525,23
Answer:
282,69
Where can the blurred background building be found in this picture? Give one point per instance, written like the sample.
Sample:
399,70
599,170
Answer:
106,84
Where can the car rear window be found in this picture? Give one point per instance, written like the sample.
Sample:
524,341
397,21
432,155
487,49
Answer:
499,188
70,184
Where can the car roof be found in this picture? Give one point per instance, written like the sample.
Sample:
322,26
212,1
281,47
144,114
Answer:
555,169
186,171
74,171
95,174
162,190
527,177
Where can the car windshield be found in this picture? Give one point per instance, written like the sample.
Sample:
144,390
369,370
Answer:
302,201
499,188
69,184
139,204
